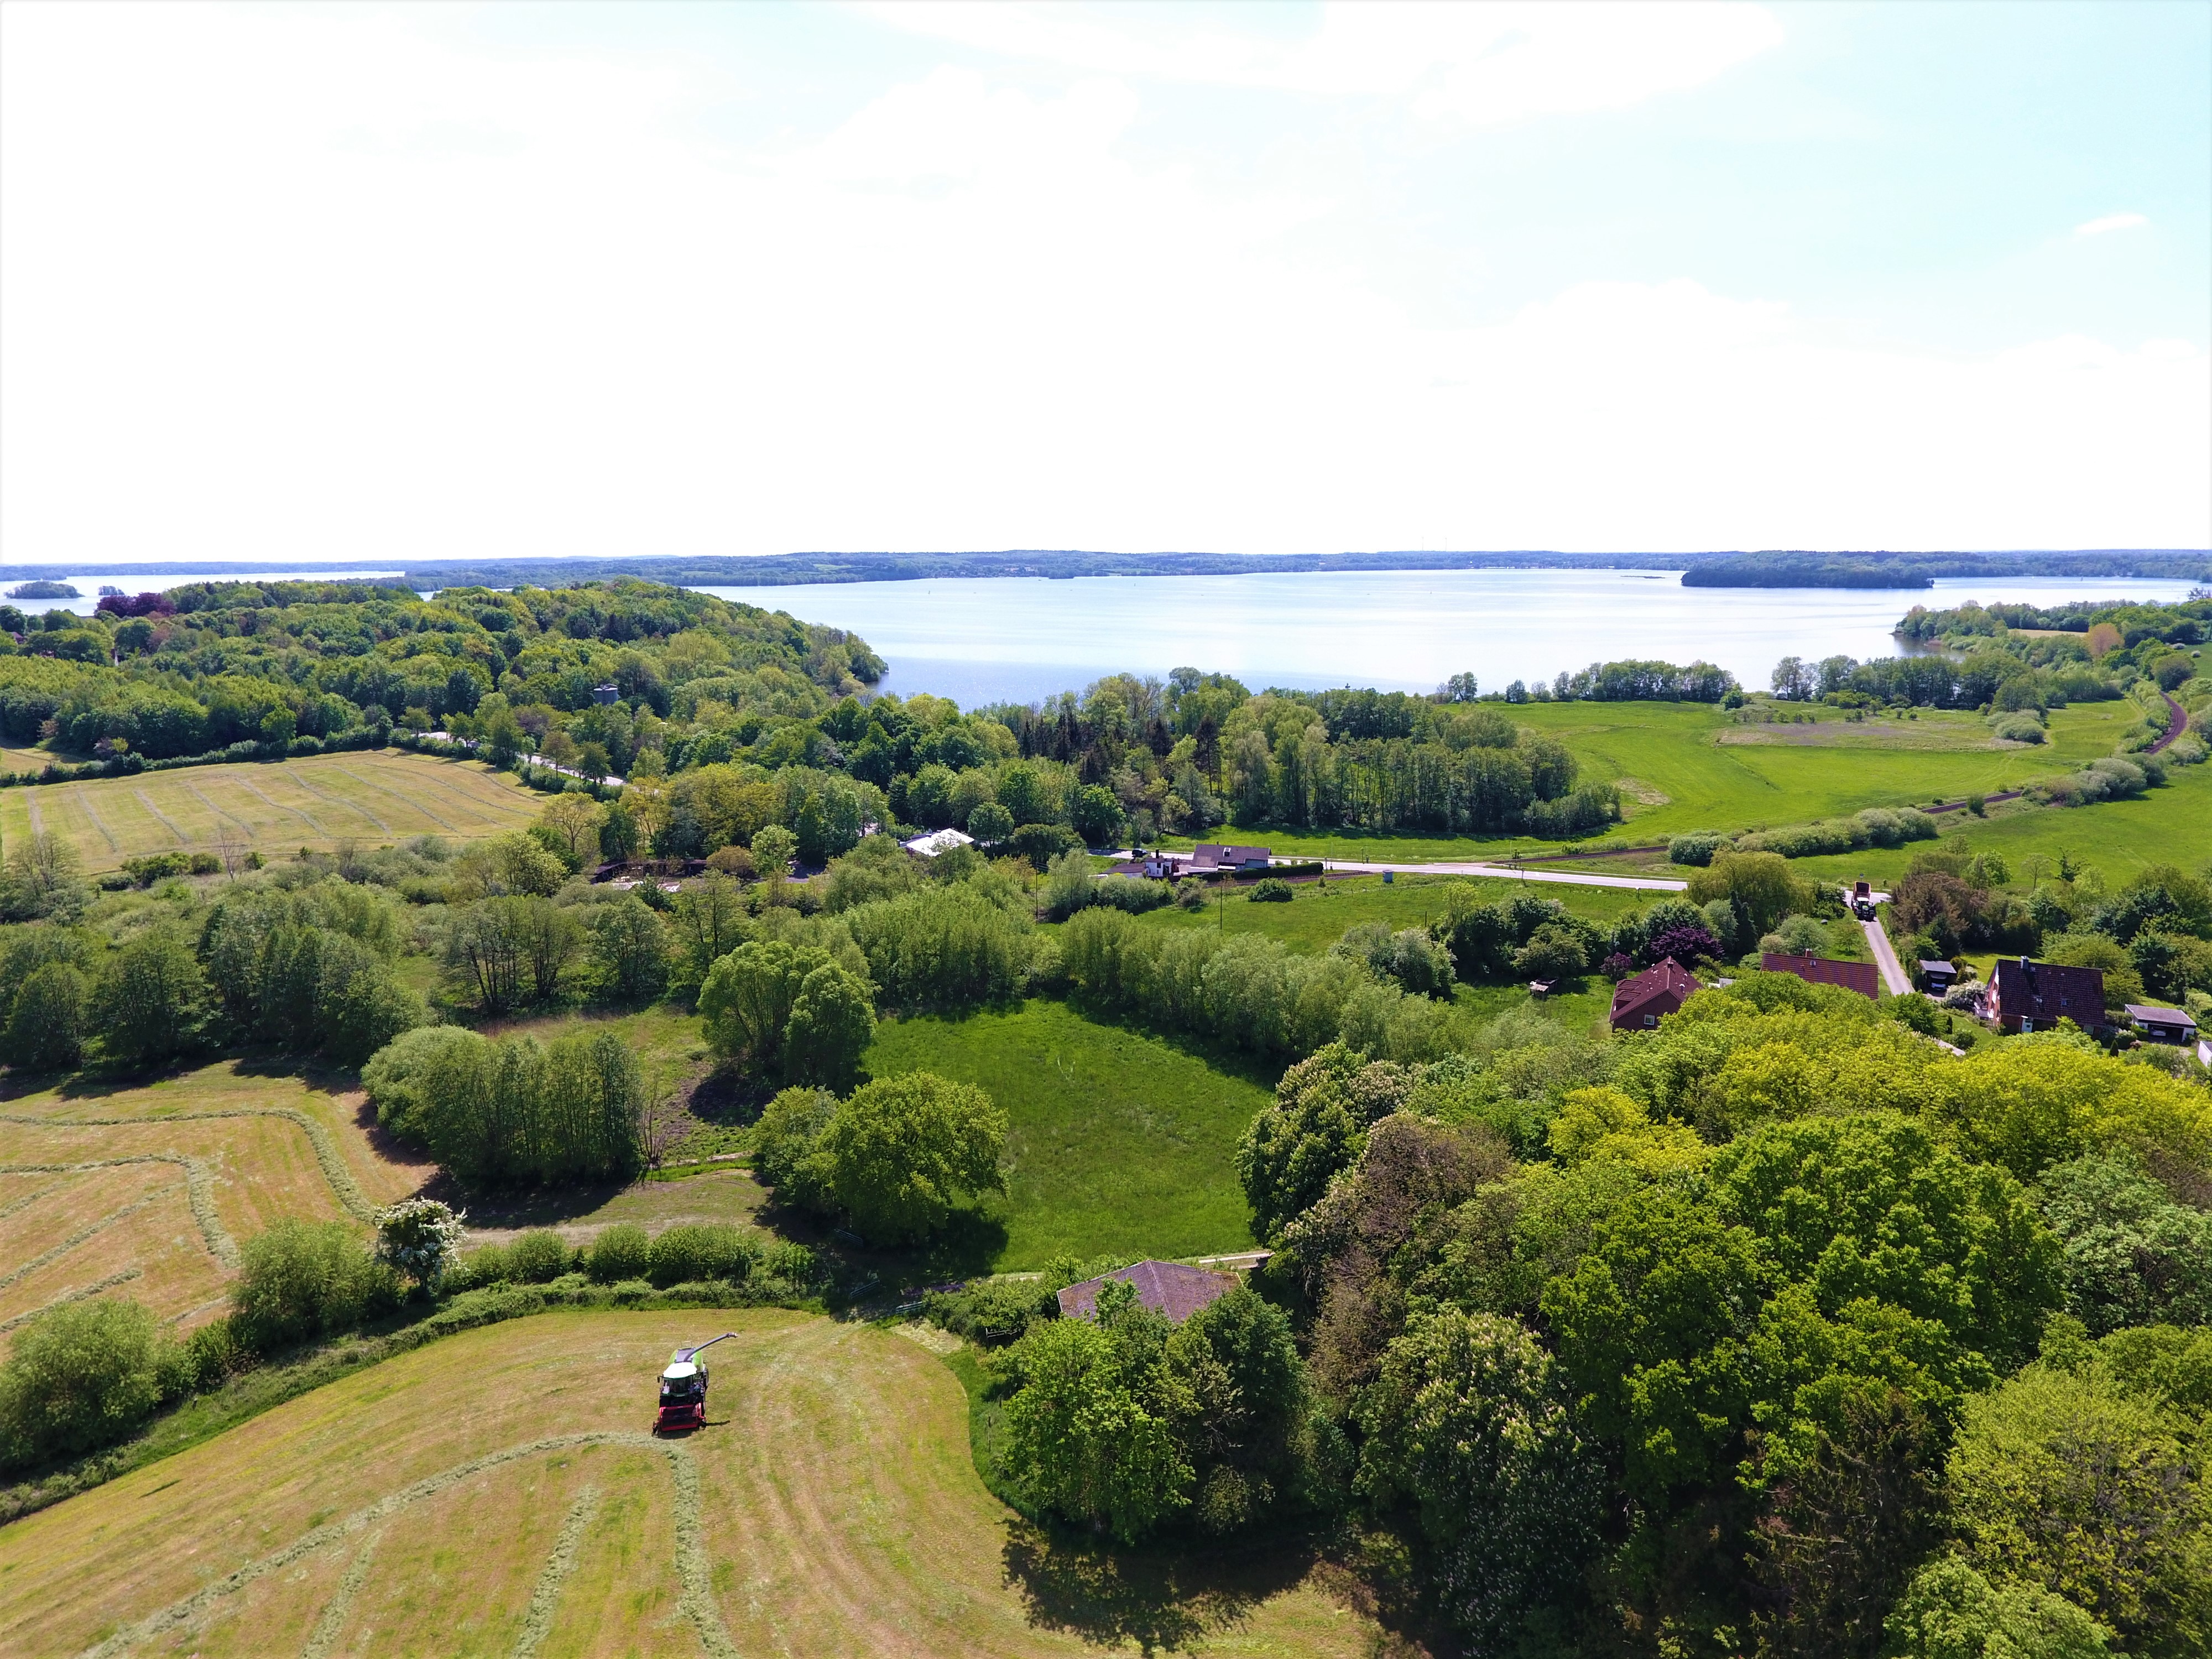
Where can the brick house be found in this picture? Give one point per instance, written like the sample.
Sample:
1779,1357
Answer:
2034,996
1861,976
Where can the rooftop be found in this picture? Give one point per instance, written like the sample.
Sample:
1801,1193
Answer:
1166,1287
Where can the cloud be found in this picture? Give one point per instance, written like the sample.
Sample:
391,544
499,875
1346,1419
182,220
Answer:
2110,222
275,285
1473,65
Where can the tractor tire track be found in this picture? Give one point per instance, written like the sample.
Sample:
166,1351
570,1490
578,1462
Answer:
84,1235
183,840
545,1599
77,1295
199,1191
328,1158
333,1624
31,801
700,1607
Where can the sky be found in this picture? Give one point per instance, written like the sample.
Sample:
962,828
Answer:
297,283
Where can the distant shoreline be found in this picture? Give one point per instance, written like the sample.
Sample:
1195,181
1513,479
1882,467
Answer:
1706,569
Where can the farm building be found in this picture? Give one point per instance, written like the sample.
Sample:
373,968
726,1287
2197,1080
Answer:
1860,976
1208,857
1165,1287
2033,996
1642,1002
939,840
2163,1025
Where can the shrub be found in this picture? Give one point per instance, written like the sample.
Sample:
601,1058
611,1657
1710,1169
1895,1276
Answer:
784,1144
697,1253
395,1077
946,947
81,1376
993,1312
539,1257
1695,846
419,1237
1271,890
619,1252
302,1278
736,861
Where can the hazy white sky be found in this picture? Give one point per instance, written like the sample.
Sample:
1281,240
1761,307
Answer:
404,283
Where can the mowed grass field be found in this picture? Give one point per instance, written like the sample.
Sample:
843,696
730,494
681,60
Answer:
376,797
1317,917
1693,766
496,1493
151,1190
1117,1141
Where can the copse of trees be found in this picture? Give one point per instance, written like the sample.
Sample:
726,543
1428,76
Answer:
514,1112
788,1010
894,1159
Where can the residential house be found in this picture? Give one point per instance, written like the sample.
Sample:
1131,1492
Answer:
1165,1287
1642,1002
2034,996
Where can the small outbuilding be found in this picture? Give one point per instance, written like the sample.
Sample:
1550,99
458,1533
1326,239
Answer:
1938,976
2034,996
1861,976
1642,1002
2163,1025
1165,1287
603,695
938,840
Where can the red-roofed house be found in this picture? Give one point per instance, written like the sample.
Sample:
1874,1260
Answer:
1642,1002
1860,976
1165,1287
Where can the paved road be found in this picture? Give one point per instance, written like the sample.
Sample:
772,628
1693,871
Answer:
1641,884
1893,971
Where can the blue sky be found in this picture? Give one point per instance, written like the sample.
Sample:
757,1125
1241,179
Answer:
366,282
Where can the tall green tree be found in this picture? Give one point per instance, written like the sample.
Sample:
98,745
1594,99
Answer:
150,1000
903,1150
45,1028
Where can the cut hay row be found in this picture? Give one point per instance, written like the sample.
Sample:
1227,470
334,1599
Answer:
186,1615
333,1624
328,1158
545,1598
27,1199
199,1192
76,1295
84,1236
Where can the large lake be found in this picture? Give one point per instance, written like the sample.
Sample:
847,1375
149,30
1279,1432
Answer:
1018,640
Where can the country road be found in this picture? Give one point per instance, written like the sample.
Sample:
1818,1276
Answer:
1893,971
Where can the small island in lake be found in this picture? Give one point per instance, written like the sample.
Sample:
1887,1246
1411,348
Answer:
43,590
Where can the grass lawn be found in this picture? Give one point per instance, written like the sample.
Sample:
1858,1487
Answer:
499,1485
1694,766
1118,1141
375,796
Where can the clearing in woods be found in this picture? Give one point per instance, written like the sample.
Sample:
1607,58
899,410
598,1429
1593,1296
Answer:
496,1492
151,1190
375,796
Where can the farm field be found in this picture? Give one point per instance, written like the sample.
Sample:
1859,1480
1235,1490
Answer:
1692,766
378,797
495,1493
151,1189
1117,1141
2172,825
1317,918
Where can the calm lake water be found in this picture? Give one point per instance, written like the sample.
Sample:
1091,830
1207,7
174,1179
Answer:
1022,638
1018,640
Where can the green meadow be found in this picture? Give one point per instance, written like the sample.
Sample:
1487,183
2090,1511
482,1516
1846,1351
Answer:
1694,766
1117,1141
1317,917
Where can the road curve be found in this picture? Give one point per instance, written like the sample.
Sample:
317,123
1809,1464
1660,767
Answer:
2177,722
